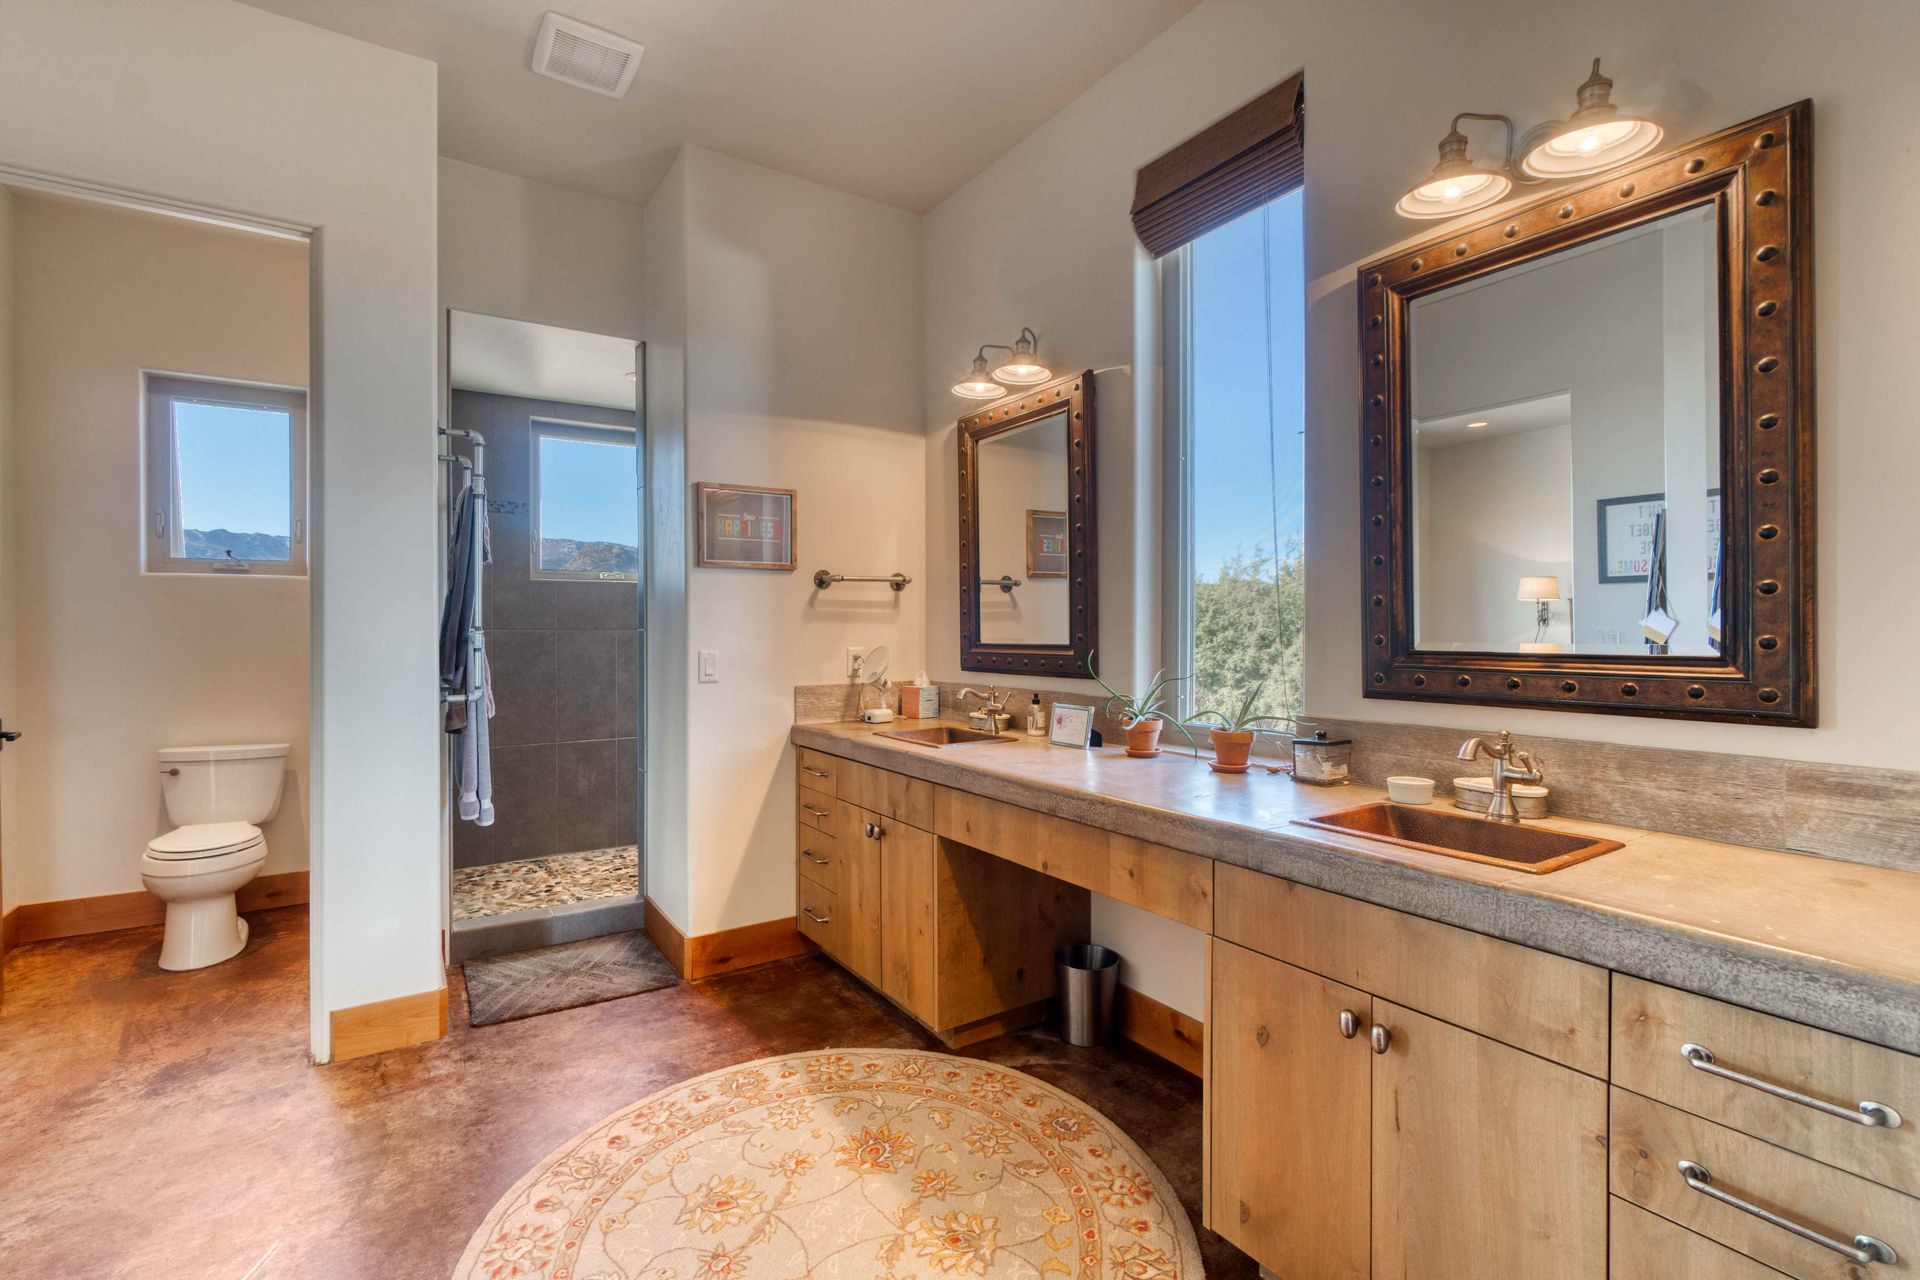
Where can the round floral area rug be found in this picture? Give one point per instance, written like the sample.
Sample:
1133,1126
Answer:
857,1163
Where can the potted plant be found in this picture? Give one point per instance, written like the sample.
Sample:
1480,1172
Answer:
1233,739
1141,714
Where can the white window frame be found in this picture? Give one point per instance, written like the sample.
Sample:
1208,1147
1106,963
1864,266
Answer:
160,517
567,429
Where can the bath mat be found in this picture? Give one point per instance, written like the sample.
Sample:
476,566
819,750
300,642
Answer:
523,983
843,1163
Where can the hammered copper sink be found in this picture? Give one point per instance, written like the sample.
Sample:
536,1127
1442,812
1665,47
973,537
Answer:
1501,844
944,735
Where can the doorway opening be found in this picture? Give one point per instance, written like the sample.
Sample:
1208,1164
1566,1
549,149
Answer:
546,843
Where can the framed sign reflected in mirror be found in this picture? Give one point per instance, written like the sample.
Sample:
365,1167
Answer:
1026,532
1587,434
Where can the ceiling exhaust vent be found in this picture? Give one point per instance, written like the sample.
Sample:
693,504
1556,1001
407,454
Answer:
574,53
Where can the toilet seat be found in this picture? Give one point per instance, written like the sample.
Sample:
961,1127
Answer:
205,840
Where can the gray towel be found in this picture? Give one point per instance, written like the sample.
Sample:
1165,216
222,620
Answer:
473,757
472,754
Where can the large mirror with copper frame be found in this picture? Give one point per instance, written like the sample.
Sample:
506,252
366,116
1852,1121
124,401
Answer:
1587,444
1027,569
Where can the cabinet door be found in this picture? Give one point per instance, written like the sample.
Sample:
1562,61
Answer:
907,933
1487,1162
1287,1115
859,889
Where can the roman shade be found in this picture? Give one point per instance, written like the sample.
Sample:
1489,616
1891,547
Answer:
1237,164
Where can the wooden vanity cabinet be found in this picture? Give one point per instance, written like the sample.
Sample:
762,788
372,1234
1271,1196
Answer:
1428,1144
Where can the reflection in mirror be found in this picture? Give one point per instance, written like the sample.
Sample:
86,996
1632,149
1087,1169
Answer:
1566,471
1022,524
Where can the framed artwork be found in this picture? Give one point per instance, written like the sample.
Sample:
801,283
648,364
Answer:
1046,544
1069,725
1625,532
740,526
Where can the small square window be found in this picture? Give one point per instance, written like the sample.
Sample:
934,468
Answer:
586,504
226,477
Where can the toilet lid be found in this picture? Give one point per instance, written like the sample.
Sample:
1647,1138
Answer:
205,840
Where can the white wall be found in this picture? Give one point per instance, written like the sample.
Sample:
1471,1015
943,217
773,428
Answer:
9,678
524,250
116,663
1042,237
218,103
799,310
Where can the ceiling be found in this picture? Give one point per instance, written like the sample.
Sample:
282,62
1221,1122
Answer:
1554,410
539,362
901,101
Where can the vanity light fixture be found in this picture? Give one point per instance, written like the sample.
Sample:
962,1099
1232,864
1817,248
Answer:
1022,368
979,385
1595,137
1540,591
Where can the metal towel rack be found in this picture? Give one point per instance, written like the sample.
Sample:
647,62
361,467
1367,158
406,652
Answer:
1005,582
476,469
822,579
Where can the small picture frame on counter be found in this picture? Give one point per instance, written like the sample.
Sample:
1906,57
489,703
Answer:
1070,725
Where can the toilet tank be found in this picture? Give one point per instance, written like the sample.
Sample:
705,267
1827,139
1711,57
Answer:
222,784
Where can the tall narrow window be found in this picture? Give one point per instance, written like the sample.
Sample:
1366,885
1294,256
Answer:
1237,445
586,510
226,477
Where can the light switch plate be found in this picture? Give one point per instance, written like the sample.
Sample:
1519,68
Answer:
709,666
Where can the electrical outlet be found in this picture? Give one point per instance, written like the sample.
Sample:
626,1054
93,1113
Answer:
1608,635
856,661
709,666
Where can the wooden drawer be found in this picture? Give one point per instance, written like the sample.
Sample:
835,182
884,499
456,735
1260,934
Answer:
1651,1024
1645,1246
891,795
818,771
819,917
822,812
820,857
1546,1004
1649,1140
1167,882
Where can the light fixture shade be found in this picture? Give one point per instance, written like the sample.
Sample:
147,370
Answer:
1595,137
1534,590
977,385
1456,186
1023,366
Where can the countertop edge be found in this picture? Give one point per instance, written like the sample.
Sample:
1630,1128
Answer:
1827,994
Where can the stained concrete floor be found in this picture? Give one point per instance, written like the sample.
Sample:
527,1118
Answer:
169,1125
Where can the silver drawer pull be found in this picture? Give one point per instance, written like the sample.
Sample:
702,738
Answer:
808,913
1874,1115
818,773
818,813
808,855
1863,1250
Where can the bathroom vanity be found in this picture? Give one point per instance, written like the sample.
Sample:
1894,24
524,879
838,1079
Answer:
1413,1062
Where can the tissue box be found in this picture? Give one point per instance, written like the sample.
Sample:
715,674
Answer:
920,702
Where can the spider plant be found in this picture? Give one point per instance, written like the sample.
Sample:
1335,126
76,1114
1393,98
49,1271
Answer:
1130,708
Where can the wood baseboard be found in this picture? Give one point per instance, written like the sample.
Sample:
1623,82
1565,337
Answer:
706,954
1161,1030
387,1024
107,913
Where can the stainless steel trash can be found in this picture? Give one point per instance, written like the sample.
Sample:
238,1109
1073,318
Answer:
1086,976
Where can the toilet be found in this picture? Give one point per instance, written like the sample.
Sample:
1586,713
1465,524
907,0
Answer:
215,795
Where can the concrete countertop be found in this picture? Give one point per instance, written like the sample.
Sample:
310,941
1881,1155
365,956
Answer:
1829,943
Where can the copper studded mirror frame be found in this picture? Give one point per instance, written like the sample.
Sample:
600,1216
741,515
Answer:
1759,175
1075,396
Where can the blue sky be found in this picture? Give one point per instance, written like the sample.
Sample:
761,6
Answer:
1235,503
587,492
235,468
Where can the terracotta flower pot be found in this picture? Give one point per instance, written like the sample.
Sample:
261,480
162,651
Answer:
1143,737
1231,750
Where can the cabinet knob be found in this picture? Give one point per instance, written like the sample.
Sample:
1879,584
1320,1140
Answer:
1245,1212
1261,1037
1349,1023
1380,1038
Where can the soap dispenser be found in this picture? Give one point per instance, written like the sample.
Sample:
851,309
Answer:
1036,719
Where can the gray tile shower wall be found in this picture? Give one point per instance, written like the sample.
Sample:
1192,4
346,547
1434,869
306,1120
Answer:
565,659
